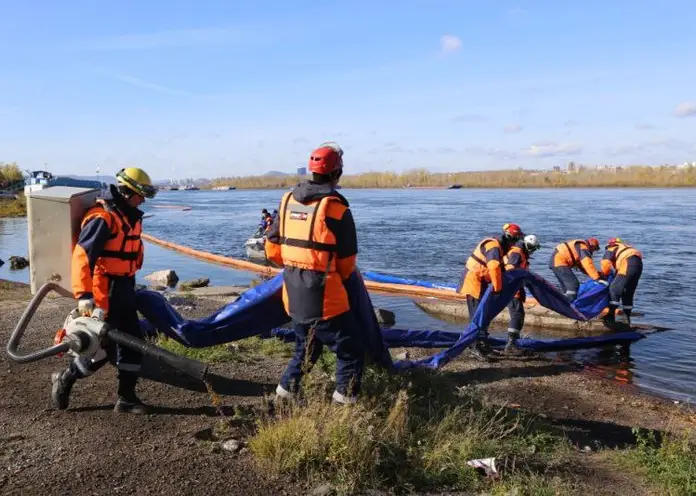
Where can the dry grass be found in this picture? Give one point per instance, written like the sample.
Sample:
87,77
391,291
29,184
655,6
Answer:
634,176
13,208
408,433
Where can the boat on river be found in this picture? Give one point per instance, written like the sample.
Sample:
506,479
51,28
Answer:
255,248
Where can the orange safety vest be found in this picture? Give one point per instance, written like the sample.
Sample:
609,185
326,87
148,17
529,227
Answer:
307,243
122,255
566,254
123,252
622,253
477,260
523,257
477,271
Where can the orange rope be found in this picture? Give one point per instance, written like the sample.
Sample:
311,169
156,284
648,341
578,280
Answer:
392,289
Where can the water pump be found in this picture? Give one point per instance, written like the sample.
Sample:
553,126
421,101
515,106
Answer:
85,337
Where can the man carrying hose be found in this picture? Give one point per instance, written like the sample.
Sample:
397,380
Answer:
574,254
104,262
518,258
483,268
627,262
314,239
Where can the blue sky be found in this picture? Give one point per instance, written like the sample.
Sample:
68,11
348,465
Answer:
215,88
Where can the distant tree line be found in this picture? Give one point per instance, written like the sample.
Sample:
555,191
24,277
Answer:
579,177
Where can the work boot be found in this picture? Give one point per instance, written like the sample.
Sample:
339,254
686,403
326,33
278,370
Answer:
481,350
128,401
62,383
610,317
511,348
131,405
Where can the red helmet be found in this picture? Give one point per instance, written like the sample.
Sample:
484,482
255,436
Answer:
614,242
593,243
327,158
512,231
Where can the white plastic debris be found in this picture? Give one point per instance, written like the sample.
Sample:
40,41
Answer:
487,464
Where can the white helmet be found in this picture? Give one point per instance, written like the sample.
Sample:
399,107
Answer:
531,243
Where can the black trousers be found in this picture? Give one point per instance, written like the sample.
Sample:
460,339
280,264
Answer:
623,287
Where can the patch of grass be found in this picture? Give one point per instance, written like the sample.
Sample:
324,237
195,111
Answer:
245,350
211,354
669,463
14,208
409,432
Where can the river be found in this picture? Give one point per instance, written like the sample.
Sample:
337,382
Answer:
427,234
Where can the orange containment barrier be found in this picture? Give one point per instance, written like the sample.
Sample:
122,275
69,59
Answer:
391,289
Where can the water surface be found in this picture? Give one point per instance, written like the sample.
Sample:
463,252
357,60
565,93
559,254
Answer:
427,234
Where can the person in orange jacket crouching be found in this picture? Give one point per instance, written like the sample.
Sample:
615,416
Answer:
518,258
485,267
575,254
627,263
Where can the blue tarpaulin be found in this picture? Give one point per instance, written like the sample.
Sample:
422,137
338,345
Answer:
260,312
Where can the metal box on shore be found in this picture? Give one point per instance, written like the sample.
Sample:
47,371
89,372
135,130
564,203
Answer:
54,216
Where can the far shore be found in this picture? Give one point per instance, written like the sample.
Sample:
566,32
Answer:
620,177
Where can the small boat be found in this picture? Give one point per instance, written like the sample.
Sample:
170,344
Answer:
255,247
537,317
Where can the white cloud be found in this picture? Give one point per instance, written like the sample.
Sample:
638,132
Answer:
513,128
686,109
552,149
646,127
450,43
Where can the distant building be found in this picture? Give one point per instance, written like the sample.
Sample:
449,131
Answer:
302,171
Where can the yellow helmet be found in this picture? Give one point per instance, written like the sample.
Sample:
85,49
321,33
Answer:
137,181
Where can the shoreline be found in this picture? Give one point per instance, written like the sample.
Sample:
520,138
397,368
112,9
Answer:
591,419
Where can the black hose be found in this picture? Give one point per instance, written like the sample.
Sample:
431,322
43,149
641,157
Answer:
194,368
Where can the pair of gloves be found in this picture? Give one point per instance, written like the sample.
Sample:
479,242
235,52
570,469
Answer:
86,308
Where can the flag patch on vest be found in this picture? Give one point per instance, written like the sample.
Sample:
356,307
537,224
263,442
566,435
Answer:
298,215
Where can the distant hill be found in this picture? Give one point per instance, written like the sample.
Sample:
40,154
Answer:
277,174
104,179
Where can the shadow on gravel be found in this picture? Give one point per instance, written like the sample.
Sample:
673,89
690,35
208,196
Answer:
597,434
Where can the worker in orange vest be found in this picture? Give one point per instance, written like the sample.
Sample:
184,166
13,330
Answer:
485,267
575,254
627,263
107,255
518,258
314,239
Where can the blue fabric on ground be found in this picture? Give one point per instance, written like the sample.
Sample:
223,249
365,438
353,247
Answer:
259,312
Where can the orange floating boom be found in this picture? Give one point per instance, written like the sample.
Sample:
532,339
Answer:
378,287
